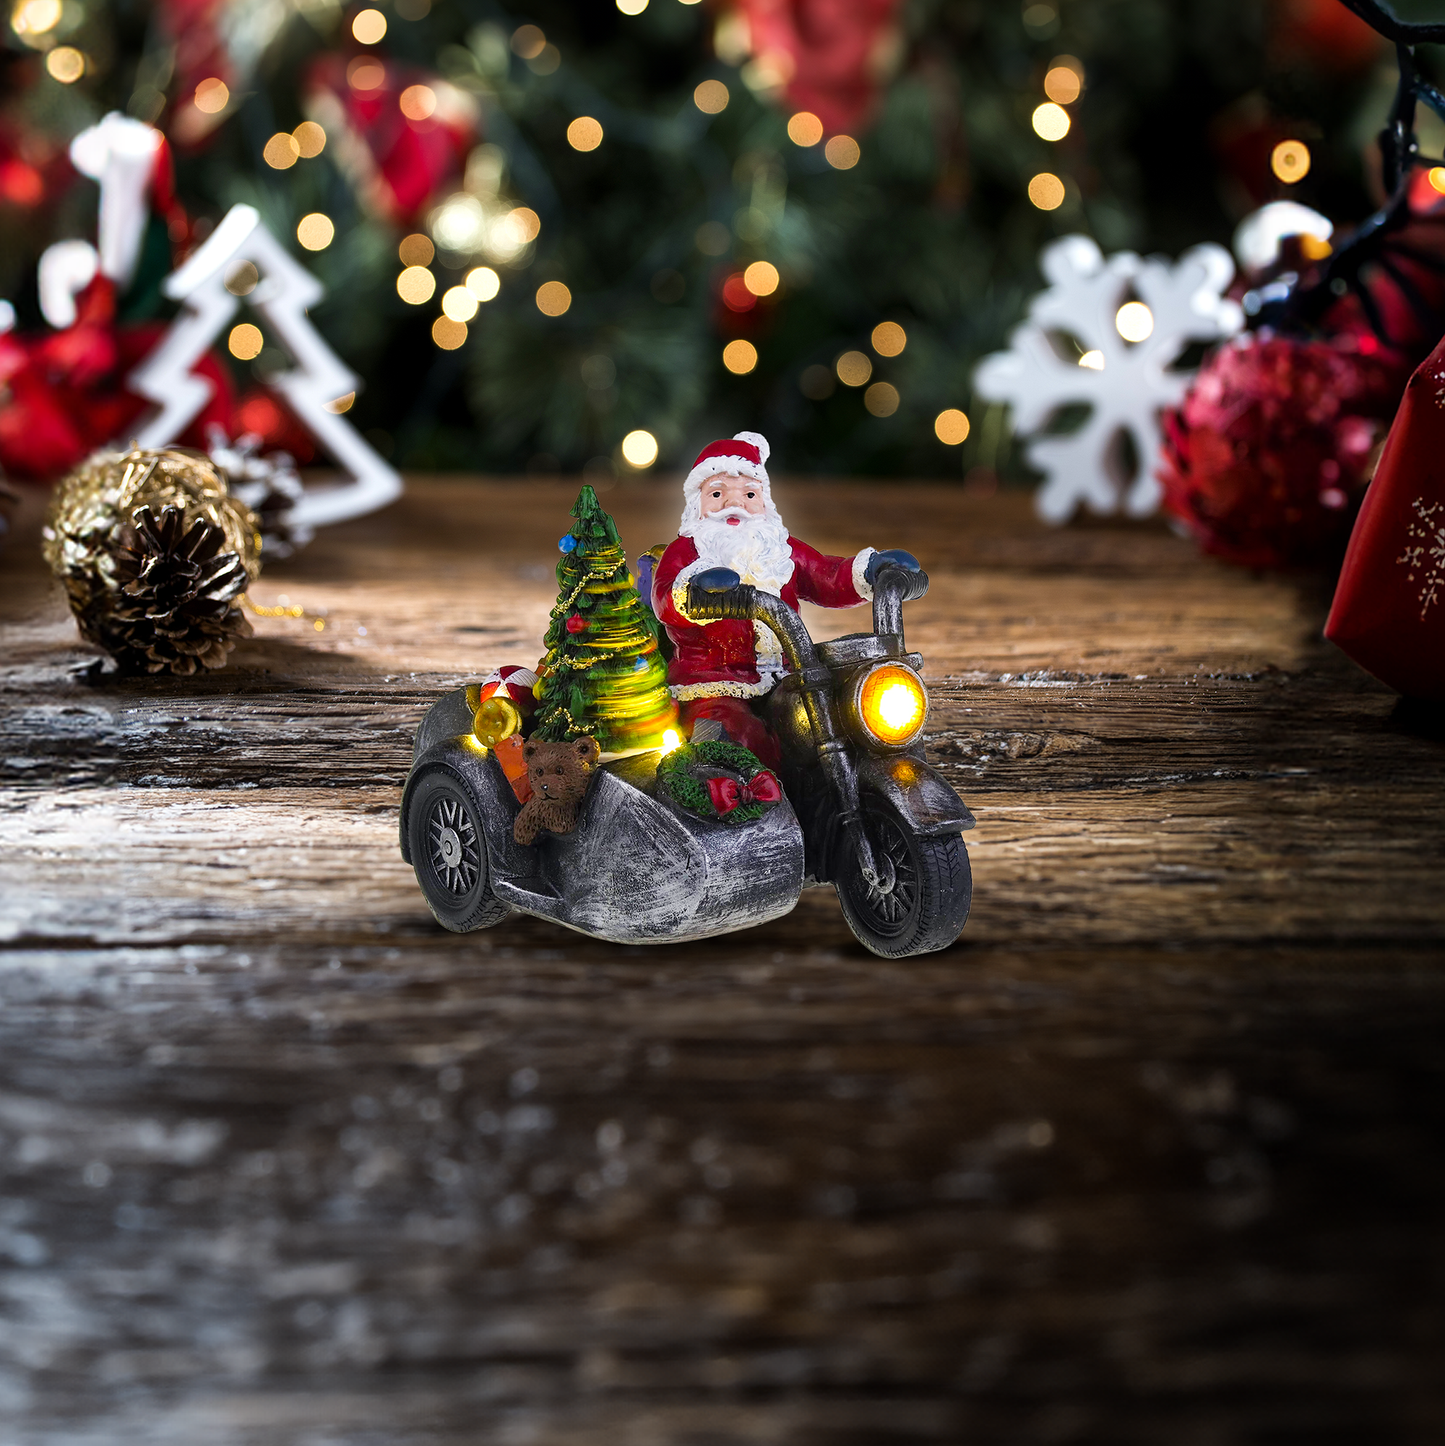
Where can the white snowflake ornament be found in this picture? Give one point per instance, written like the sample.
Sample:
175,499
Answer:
1106,333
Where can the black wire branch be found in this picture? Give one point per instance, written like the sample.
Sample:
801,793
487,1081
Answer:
1381,19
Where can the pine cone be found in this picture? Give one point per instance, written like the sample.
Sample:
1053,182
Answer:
178,589
268,485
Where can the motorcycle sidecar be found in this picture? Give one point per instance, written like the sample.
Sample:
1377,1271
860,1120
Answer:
635,870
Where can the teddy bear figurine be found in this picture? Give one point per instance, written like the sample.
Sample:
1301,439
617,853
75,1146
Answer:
559,774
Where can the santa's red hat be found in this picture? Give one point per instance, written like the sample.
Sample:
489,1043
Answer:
744,455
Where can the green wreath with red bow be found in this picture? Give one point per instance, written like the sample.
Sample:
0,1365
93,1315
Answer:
718,780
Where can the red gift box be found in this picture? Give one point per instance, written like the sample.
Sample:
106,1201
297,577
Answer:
1389,608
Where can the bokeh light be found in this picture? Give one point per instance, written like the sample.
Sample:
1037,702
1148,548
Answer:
483,283
553,298
1134,322
448,334
853,368
1290,161
310,139
459,303
1092,361
632,7
711,97
527,222
584,134
35,17
342,404
281,152
761,278
1046,191
417,102
416,250
245,341
528,42
369,27
1051,121
889,338
241,278
842,153
366,72
881,399
805,129
316,231
951,427
1064,81
416,285
740,357
639,449
65,64
212,96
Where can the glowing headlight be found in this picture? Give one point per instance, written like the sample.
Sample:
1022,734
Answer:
892,704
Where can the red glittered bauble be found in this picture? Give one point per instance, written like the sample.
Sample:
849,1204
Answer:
576,623
1267,458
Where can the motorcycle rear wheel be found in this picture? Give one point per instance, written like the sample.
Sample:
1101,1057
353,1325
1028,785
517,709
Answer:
932,886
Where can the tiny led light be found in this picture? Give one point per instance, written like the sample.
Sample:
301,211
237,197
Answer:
1062,83
889,338
711,97
805,129
881,399
761,278
585,133
842,153
1094,360
460,304
853,368
951,427
1051,121
281,152
740,357
212,96
639,449
1134,322
448,334
893,704
1046,191
483,283
553,298
316,231
310,139
416,250
416,285
671,739
417,102
369,27
65,64
1290,161
245,341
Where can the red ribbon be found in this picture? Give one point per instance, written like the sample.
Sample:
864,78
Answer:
727,793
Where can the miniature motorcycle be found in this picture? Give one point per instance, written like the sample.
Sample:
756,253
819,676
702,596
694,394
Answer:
863,809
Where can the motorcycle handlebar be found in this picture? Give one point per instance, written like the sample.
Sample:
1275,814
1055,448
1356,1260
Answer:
708,607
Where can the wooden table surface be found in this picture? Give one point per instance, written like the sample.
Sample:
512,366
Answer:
1152,1155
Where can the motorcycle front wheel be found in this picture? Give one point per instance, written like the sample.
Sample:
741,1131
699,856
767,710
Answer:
921,903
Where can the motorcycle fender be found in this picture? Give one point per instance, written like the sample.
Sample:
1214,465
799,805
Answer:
449,716
917,790
473,765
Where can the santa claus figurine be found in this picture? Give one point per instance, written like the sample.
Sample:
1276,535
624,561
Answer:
720,669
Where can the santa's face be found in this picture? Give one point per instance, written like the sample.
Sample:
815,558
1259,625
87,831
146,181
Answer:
727,494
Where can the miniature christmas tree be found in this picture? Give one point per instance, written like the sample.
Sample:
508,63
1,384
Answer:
603,674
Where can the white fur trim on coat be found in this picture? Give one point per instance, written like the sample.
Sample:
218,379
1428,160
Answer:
679,588
861,585
686,692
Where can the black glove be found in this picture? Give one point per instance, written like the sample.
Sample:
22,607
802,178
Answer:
894,555
720,579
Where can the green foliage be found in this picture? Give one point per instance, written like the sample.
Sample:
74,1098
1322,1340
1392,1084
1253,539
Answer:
677,778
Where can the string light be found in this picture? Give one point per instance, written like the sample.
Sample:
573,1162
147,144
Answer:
366,72
1046,191
417,102
881,399
853,368
527,222
1051,122
1064,80
369,27
245,341
416,250
35,17
585,133
1290,161
212,96
951,427
416,285
448,334
632,7
1134,322
65,64
761,278
553,298
740,357
889,338
528,42
316,231
711,97
639,449
1093,360
805,129
459,304
842,153
281,152
310,139
483,283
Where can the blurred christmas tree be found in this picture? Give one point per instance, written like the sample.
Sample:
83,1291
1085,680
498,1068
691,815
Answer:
603,674
559,236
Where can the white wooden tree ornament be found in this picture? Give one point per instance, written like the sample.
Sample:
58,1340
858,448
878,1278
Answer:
1098,304
281,296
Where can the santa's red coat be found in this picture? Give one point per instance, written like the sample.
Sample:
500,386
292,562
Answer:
720,659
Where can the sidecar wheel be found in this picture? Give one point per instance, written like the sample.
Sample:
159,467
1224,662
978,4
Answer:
449,854
927,905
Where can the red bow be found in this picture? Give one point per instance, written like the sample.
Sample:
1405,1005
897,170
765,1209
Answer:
728,793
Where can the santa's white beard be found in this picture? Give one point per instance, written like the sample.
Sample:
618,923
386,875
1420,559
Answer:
755,547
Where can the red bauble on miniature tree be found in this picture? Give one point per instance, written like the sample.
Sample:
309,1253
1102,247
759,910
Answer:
1267,459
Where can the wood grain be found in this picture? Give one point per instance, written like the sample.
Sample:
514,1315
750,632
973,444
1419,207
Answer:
1152,1154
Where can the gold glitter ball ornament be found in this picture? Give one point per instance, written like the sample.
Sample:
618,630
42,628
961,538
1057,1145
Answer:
155,556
